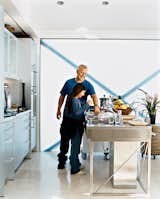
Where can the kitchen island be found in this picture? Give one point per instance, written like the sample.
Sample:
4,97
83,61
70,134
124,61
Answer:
125,165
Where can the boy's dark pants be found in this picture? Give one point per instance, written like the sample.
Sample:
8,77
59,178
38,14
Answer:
68,130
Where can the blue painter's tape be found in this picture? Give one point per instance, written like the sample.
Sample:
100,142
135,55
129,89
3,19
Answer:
141,83
101,85
52,147
58,54
75,66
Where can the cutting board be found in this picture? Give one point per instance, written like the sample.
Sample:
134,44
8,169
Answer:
137,123
128,117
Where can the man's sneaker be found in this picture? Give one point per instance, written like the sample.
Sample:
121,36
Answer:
82,167
60,166
79,173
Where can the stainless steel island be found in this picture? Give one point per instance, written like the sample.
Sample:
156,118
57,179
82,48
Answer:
126,166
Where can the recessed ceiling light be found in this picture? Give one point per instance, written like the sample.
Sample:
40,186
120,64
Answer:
105,2
60,2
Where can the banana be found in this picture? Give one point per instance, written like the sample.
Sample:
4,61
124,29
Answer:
118,102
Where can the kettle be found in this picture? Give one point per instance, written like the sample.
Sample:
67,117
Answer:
104,102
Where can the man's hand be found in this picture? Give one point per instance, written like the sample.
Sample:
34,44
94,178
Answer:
58,114
96,110
90,102
60,103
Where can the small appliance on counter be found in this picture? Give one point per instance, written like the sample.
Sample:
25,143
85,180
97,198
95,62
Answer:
14,97
8,109
106,104
22,107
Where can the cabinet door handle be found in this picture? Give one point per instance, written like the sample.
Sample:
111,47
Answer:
33,123
34,71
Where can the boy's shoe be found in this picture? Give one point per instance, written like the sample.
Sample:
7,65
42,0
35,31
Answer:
62,171
61,166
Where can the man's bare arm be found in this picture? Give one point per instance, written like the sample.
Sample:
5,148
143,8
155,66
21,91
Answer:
96,106
60,103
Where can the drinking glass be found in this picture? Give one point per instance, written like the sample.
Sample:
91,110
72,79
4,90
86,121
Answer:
118,118
111,120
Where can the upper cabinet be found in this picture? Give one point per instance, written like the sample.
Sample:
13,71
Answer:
10,64
1,64
27,68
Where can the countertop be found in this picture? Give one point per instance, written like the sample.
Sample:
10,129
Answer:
10,115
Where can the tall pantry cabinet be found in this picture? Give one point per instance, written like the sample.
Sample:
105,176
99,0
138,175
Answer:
27,71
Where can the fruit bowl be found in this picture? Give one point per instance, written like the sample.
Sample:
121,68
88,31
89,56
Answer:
120,105
126,111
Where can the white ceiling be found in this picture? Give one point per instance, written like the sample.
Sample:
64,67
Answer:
89,16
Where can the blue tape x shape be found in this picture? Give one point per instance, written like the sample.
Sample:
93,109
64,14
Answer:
111,92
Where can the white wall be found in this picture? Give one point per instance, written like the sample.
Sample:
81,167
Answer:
117,64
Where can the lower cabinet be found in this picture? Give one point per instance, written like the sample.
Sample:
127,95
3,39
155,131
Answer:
22,137
7,152
9,148
15,145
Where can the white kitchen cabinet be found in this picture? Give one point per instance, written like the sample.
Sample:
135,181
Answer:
1,64
2,168
9,148
27,71
7,152
6,51
13,55
10,65
22,137
15,145
24,66
1,18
